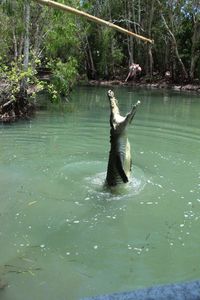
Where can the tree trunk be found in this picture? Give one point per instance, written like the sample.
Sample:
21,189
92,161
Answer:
139,15
26,45
151,13
26,37
37,40
90,60
39,20
150,61
194,60
174,42
195,52
21,42
129,38
15,44
134,17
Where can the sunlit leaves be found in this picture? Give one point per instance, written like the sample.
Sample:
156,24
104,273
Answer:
14,74
64,76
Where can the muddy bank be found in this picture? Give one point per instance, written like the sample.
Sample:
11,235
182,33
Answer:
153,85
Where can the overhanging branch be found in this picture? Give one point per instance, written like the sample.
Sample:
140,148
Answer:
91,18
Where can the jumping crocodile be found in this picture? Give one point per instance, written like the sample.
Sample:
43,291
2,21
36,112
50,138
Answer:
119,163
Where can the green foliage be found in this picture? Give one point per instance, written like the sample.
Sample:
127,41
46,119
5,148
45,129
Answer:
62,40
14,75
117,54
109,54
5,35
64,76
73,45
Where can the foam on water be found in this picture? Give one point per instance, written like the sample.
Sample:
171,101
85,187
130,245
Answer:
96,185
93,182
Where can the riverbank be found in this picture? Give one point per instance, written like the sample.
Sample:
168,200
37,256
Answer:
22,108
154,85
14,107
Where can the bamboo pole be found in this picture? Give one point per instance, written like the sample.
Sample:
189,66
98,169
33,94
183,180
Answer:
92,18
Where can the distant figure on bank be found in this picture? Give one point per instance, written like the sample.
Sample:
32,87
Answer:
168,75
133,70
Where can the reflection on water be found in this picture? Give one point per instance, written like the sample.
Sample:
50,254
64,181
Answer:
63,235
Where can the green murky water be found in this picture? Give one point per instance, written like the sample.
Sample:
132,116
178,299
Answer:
62,236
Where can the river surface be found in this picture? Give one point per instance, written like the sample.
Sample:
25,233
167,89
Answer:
62,235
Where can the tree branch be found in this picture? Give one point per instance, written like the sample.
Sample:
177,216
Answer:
91,18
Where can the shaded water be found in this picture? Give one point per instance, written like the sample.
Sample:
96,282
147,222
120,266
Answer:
62,236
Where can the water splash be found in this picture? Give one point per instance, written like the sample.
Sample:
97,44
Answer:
96,186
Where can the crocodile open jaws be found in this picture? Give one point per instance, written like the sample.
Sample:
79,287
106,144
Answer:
119,163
